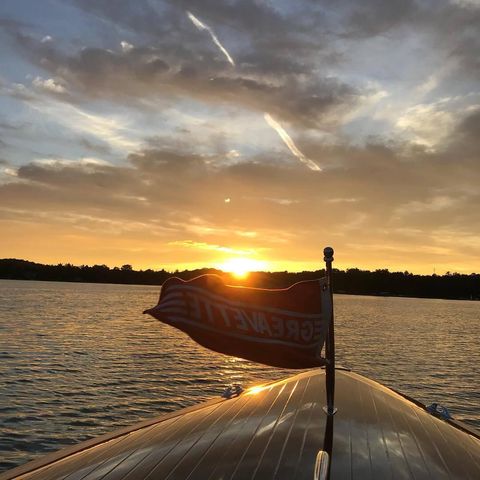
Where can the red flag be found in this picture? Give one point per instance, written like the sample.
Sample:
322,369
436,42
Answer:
283,327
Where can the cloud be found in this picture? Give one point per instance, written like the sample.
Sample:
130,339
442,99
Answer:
434,204
271,72
216,248
49,84
468,128
427,124
176,186
179,199
98,148
110,129
142,72
374,17
126,47
375,93
464,142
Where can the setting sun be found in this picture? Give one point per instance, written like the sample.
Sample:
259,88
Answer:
240,267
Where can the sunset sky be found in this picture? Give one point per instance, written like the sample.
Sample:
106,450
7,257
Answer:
183,134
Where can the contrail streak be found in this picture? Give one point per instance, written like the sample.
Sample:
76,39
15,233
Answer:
268,118
201,26
289,143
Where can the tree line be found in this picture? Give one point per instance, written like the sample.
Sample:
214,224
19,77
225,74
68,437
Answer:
350,281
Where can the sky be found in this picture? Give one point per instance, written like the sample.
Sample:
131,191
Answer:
187,134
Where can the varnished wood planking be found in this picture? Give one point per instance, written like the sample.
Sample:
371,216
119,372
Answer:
276,433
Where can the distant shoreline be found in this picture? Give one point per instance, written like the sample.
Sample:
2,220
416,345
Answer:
380,283
336,292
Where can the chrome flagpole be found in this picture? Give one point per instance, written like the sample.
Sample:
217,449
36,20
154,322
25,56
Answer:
330,341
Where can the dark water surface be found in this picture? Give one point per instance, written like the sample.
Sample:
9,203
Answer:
79,360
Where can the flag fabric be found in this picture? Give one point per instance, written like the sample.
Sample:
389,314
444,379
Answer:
278,327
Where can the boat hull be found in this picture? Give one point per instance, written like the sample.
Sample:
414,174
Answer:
276,431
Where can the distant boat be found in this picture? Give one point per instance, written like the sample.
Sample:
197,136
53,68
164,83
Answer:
278,431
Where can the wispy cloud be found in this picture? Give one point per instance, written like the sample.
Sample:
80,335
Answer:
49,85
428,123
113,130
116,130
290,144
209,246
201,26
65,162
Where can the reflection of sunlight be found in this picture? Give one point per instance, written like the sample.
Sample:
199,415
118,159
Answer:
274,423
256,389
240,267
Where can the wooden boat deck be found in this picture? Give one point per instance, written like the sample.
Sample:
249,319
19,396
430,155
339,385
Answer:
275,432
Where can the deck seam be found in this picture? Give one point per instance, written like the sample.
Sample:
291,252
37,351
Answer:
420,450
256,407
96,467
304,437
291,427
377,417
170,434
442,436
217,437
433,443
195,426
256,430
274,429
231,405
142,435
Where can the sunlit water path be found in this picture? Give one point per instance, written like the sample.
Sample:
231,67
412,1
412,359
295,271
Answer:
79,360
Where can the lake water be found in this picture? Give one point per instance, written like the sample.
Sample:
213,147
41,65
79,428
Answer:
79,360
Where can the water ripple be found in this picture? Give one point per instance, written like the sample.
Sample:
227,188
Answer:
79,360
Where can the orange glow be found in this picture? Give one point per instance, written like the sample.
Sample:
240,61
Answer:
240,267
256,389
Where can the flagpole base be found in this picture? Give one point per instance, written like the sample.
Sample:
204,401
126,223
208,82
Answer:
330,411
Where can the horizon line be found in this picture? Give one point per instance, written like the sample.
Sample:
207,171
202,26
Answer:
190,270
